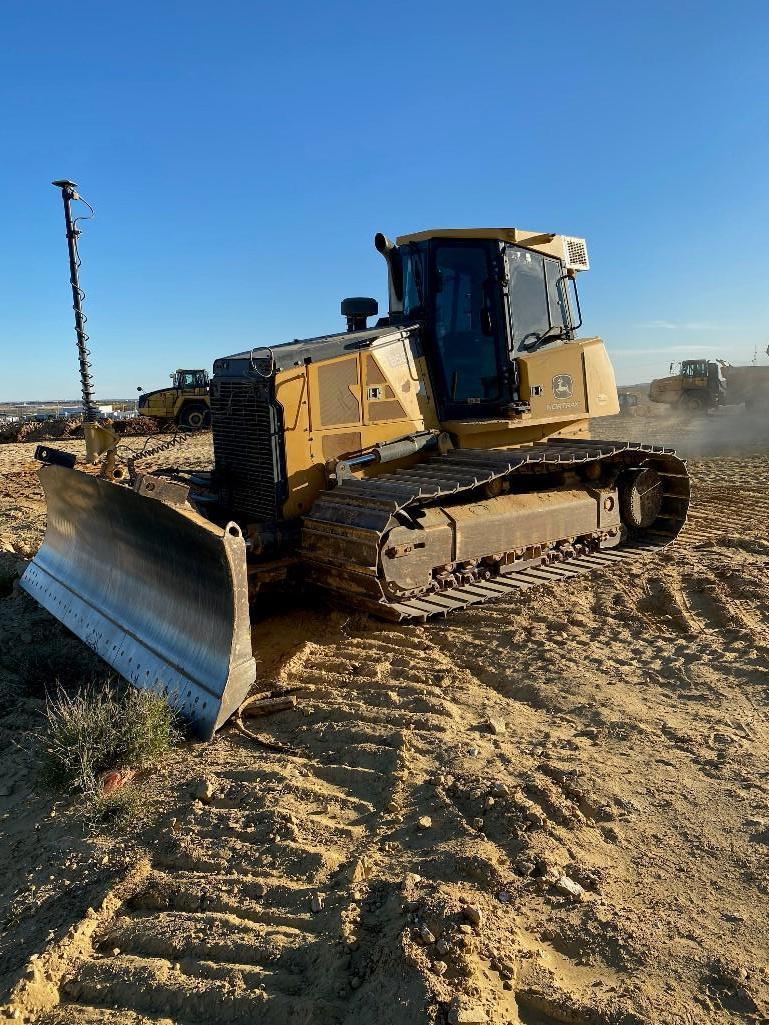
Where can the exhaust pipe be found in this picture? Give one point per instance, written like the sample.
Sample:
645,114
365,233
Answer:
392,255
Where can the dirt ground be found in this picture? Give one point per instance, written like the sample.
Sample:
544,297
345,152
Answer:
550,809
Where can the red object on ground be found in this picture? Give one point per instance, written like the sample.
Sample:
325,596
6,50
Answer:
116,779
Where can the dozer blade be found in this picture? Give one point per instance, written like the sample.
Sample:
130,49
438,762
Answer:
160,593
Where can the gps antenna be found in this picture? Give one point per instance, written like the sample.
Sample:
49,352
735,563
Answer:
69,194
99,440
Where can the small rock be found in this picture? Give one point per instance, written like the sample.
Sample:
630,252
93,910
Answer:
115,951
504,896
466,930
358,870
507,984
478,823
355,982
497,727
425,822
316,903
464,1012
259,890
392,806
440,967
488,803
473,914
473,752
204,791
612,834
535,817
442,947
568,887
427,936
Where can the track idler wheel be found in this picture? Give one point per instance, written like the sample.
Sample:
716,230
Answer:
641,495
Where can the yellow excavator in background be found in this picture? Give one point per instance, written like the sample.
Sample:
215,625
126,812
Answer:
185,403
438,459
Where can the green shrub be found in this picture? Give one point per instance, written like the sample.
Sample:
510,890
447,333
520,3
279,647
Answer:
99,729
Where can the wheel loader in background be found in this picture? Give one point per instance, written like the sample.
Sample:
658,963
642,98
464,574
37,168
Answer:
185,403
437,459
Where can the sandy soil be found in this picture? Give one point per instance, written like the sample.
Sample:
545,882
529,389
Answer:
554,808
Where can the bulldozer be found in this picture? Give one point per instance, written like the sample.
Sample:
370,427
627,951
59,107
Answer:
434,460
185,403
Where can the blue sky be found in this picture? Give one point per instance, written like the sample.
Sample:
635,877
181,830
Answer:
241,156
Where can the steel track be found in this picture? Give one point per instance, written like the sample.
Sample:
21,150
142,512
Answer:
342,536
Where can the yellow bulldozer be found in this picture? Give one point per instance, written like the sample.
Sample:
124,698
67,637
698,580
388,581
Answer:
185,403
437,459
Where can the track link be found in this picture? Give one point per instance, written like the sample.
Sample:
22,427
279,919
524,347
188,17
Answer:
342,536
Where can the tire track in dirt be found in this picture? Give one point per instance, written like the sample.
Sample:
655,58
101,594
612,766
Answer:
225,925
268,882
542,735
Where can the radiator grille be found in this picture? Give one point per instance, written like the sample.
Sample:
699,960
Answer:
247,448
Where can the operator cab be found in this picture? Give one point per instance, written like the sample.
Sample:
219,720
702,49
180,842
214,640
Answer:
692,369
190,379
483,297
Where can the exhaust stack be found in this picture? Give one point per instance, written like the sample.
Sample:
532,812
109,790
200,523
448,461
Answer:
392,255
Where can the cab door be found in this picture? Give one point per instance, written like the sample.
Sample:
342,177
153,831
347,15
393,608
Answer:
466,329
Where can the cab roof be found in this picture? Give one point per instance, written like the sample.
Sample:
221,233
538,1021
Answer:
573,251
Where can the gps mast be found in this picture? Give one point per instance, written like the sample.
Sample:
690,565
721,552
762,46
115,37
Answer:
98,439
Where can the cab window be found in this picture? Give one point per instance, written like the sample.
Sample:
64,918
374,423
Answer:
414,281
695,368
539,306
464,324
